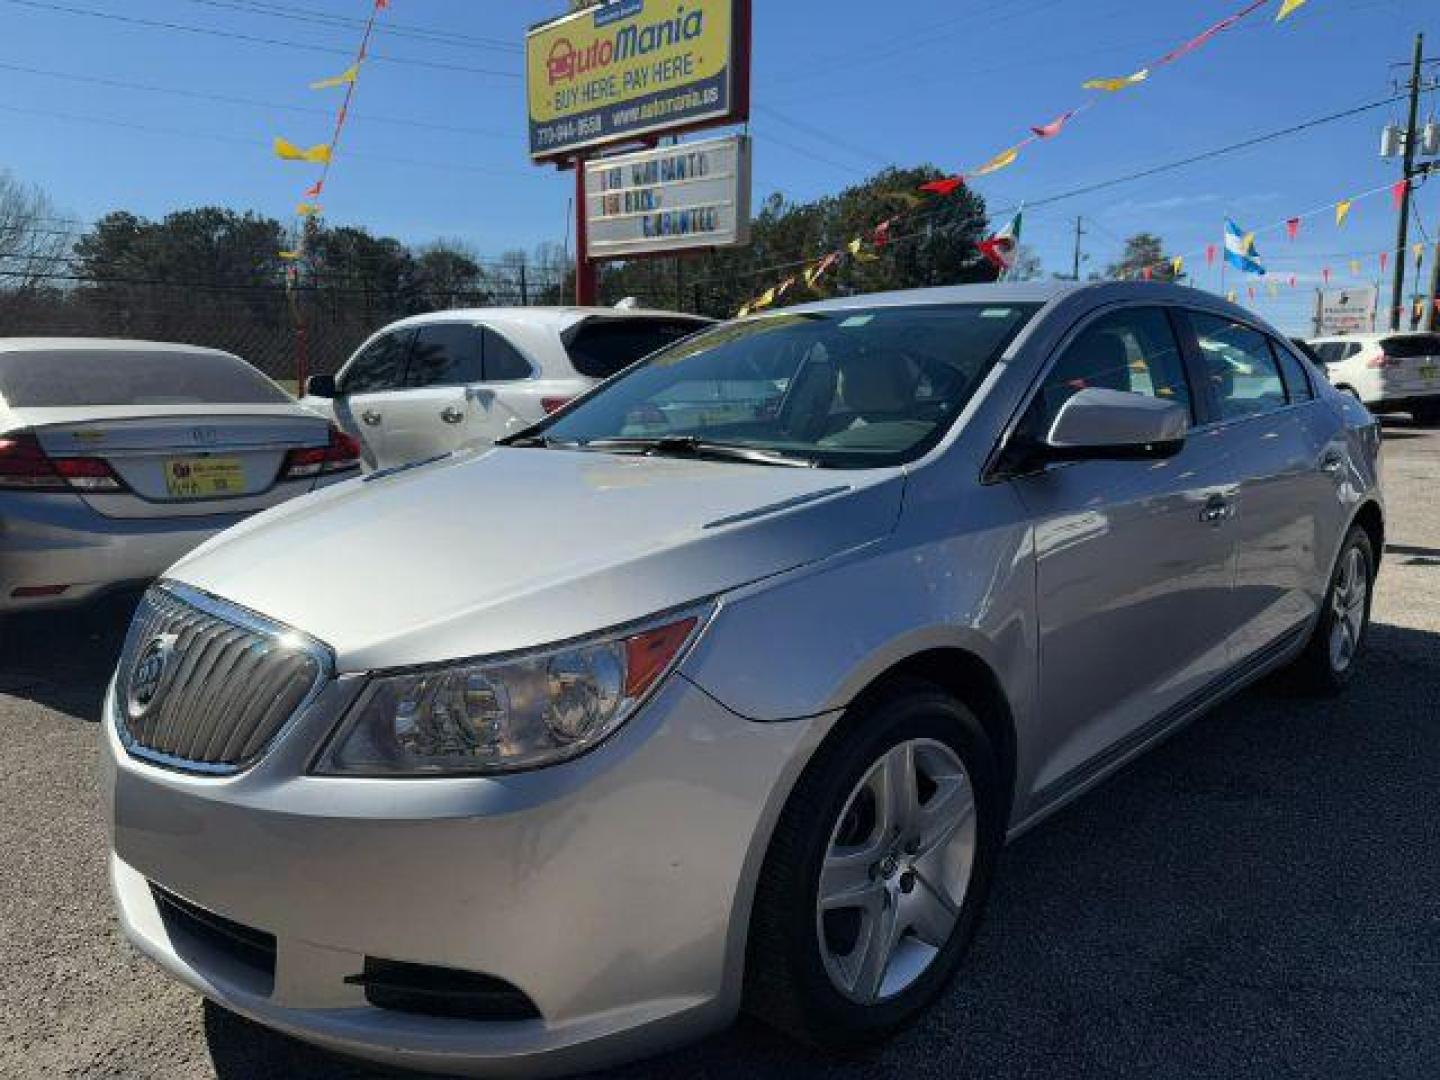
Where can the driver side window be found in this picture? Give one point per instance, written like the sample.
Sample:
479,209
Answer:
1132,350
380,367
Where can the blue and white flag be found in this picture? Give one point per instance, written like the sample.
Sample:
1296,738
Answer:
1240,250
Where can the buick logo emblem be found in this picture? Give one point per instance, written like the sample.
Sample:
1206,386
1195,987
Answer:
203,436
148,675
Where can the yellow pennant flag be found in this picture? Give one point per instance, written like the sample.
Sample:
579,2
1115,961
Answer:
1288,8
744,310
285,150
308,209
1111,86
857,250
1272,289
1342,211
345,78
1177,264
766,299
289,256
1355,267
999,161
1419,252
1230,296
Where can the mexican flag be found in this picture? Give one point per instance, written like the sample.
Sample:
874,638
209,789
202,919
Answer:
1002,249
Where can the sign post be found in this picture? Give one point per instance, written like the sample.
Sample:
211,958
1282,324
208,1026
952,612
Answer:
628,71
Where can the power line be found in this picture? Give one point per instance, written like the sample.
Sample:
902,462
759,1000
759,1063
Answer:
226,99
390,27
230,35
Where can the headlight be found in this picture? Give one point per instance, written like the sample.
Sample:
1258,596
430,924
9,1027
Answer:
497,716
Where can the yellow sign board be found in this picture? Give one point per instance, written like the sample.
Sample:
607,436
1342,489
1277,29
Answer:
635,67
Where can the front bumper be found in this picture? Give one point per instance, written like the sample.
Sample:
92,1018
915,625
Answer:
614,890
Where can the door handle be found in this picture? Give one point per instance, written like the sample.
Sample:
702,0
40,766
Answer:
1217,509
371,417
1332,463
452,415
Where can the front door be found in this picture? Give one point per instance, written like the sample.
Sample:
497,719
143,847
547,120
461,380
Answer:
1134,561
367,389
437,414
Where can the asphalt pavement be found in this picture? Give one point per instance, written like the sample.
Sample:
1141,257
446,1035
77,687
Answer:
1258,897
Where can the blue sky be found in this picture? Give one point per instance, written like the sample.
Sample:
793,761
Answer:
839,88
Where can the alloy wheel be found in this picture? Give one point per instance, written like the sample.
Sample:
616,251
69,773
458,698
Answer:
896,871
1348,606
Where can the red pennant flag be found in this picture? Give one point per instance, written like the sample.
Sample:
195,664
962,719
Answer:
1292,227
881,236
1050,130
1325,273
314,190
1397,192
1210,255
1146,273
1292,281
1250,292
948,186
1384,260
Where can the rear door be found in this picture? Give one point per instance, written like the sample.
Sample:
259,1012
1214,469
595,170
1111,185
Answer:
1276,440
436,412
368,387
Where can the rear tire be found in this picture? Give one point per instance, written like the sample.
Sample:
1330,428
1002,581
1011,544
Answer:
864,911
1335,648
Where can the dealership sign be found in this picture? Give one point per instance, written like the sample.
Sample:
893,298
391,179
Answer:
1347,311
629,68
694,195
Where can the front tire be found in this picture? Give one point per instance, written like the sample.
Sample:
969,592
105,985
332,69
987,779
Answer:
1328,663
877,872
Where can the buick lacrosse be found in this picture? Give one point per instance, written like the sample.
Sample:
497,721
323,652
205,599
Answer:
723,687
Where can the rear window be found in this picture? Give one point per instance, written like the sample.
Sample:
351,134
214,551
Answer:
43,380
600,348
1410,346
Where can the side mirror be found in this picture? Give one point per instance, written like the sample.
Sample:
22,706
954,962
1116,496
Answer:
321,386
1114,425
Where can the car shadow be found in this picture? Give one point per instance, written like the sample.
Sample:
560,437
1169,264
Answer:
1255,897
64,659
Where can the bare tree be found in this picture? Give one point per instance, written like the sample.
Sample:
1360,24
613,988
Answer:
34,239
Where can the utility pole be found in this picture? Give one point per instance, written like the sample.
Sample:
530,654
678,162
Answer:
1079,232
1402,235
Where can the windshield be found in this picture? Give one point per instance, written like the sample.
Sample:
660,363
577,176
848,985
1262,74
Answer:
857,388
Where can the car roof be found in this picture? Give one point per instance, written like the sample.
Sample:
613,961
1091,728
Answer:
115,345
558,319
1036,292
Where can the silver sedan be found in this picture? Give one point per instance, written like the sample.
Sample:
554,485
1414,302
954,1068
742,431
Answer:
724,687
118,457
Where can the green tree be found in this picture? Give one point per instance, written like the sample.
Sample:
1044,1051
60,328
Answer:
1141,251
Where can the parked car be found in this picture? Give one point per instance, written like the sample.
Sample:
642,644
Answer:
1395,372
428,385
118,457
591,739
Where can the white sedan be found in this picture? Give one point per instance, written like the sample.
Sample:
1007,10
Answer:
428,385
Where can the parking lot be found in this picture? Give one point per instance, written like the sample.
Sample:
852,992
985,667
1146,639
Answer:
1257,897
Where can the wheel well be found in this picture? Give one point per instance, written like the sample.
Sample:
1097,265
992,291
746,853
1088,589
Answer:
1373,522
969,679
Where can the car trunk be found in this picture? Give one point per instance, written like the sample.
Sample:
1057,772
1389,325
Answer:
1412,365
175,462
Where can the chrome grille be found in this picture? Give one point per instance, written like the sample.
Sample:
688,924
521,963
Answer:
206,686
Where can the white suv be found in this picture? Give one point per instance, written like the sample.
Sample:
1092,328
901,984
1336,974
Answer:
1395,372
431,384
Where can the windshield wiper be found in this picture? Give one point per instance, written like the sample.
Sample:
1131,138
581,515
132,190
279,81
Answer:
692,446
543,442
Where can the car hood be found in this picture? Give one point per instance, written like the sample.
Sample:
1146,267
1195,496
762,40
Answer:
507,549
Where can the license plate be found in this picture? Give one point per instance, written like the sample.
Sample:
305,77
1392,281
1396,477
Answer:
204,478
1429,371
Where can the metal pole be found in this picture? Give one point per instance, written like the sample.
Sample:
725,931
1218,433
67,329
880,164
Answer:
586,286
1402,236
524,287
1079,232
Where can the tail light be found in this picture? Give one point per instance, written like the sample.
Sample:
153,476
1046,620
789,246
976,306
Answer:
1381,359
24,466
341,454
554,404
